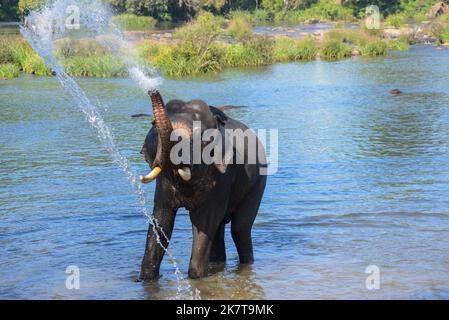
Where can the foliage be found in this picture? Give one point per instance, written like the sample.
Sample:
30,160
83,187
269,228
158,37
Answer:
133,22
69,47
8,10
334,50
399,44
31,4
255,52
106,66
288,49
374,48
440,29
9,71
397,20
240,28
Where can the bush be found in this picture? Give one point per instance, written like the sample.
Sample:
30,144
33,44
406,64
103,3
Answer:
399,44
34,64
106,66
240,28
441,31
288,49
5,50
27,60
9,71
374,48
68,47
133,22
334,50
398,20
255,52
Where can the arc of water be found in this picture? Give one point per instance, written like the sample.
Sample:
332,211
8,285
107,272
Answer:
42,43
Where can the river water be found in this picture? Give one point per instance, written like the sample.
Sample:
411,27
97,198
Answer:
363,180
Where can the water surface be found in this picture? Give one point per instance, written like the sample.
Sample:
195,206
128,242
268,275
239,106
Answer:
363,180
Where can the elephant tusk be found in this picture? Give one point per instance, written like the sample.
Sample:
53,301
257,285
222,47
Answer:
185,173
151,176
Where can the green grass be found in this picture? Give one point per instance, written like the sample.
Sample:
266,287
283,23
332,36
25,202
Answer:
256,52
106,66
288,49
397,21
374,48
133,22
334,50
440,29
399,44
9,71
240,28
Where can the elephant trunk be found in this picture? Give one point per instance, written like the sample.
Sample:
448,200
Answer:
164,128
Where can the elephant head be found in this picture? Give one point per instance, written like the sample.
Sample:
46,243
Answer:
178,115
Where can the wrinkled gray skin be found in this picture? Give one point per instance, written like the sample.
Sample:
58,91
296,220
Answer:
215,196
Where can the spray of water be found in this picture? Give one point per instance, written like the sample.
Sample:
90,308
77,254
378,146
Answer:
57,20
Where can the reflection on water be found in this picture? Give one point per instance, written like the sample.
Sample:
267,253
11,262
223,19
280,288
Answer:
363,180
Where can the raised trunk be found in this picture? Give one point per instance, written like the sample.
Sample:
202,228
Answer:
164,129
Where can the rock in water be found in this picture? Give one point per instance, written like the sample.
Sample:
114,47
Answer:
395,91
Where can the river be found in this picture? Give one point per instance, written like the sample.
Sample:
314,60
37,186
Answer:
363,180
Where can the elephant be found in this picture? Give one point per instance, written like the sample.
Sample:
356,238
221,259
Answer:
214,194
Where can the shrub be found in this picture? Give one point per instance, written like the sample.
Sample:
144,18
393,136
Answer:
398,20
374,48
106,66
9,71
255,52
441,32
240,28
34,64
288,49
399,44
334,50
133,22
68,47
5,50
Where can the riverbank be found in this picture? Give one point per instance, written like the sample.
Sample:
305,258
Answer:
212,44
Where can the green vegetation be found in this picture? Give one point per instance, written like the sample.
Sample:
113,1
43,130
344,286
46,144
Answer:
288,49
16,51
399,44
334,50
397,20
95,66
9,71
133,22
441,29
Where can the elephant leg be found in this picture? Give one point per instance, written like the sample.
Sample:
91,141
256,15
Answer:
157,237
218,251
201,247
153,250
206,222
242,223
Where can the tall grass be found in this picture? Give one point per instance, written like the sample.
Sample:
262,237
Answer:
133,22
334,50
397,20
288,49
9,71
106,66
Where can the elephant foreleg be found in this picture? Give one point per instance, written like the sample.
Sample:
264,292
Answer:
201,247
158,237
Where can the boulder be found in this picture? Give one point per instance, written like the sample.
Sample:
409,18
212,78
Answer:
438,9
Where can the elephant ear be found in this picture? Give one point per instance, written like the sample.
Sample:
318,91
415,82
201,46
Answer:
220,119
